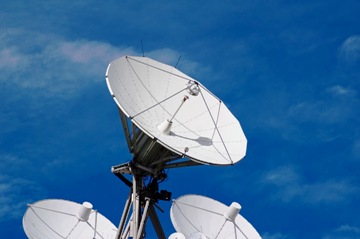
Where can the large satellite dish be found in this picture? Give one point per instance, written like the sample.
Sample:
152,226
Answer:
170,120
152,95
197,216
59,219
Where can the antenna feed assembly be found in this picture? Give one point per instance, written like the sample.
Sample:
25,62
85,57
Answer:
193,88
84,211
165,126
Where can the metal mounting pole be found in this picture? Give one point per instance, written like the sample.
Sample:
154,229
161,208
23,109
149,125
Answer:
124,215
135,224
140,202
127,229
143,219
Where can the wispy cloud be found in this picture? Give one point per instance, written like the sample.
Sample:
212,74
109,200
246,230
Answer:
15,193
56,67
348,228
350,49
344,232
338,90
276,235
11,58
289,186
334,106
53,66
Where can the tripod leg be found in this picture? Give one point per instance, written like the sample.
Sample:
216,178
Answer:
156,223
127,230
143,218
124,216
136,207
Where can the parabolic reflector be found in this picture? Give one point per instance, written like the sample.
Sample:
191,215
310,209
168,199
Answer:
58,219
151,93
197,216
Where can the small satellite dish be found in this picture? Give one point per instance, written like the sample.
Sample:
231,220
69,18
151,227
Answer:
201,217
175,111
176,235
55,218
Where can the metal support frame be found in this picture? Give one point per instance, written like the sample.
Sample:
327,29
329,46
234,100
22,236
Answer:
138,208
141,202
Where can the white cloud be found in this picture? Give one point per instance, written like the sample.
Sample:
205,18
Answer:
347,228
290,186
322,111
276,235
343,232
350,49
90,54
282,176
338,90
336,105
15,193
54,67
165,55
325,112
10,58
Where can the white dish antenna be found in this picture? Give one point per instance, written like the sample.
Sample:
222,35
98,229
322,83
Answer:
59,219
197,216
175,111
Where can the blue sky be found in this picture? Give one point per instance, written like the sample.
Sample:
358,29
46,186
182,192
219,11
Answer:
288,70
